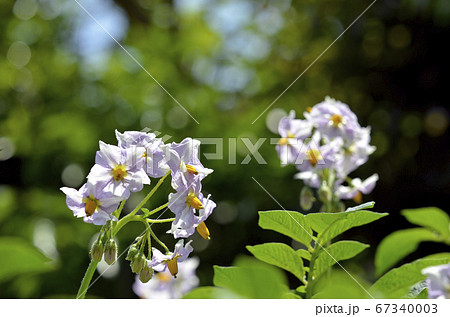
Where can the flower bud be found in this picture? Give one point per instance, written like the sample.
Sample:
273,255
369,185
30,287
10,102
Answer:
110,251
97,251
146,274
324,192
138,263
306,198
132,251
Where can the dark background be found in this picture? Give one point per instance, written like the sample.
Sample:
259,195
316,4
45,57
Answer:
66,84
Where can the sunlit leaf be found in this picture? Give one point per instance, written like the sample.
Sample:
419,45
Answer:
430,217
207,292
399,244
291,295
304,254
329,225
289,223
281,255
340,284
252,280
338,251
397,282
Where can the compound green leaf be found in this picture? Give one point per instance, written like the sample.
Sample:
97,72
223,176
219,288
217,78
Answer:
399,244
206,292
430,217
281,255
342,250
329,225
252,280
304,254
289,223
398,282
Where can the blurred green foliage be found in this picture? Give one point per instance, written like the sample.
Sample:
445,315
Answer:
66,84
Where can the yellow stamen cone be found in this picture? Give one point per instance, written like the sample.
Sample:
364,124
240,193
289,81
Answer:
336,120
314,156
203,230
119,172
191,169
90,207
194,202
283,141
163,277
172,265
358,197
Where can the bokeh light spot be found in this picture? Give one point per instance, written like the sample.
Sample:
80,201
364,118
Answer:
151,119
273,118
177,118
436,122
44,238
380,119
399,36
225,212
7,148
25,9
73,175
19,54
7,201
411,125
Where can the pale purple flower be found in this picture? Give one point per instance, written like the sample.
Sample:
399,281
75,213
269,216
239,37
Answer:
155,164
164,286
355,154
356,188
315,156
185,204
183,160
160,262
120,170
92,203
310,178
289,127
438,281
292,132
181,229
137,138
334,119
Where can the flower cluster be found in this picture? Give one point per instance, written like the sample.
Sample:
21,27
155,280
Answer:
326,147
126,167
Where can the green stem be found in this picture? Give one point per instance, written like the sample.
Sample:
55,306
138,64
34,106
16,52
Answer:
157,240
160,220
149,240
149,195
119,210
122,222
157,209
310,280
130,217
87,279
